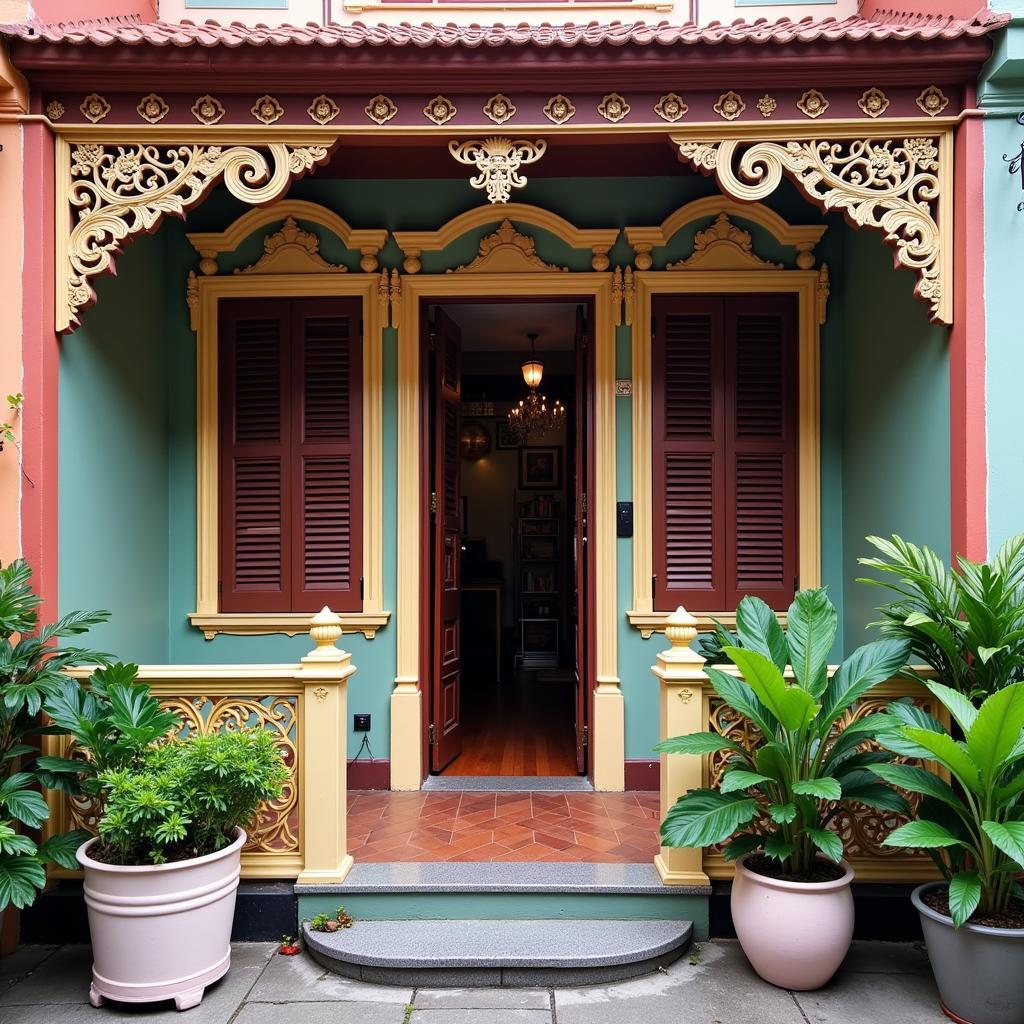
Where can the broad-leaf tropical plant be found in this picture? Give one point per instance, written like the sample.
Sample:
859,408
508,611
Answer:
32,668
802,766
966,623
972,826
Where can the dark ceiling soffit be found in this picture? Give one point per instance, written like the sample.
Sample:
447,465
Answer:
336,69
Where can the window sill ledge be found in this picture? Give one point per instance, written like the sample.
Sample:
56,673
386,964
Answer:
291,624
650,623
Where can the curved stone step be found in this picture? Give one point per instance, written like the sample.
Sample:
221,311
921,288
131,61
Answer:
509,953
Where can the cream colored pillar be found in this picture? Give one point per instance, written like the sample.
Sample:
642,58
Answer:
406,724
324,673
681,711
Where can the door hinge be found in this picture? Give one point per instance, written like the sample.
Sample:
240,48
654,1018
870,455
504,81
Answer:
654,587
586,736
433,503
431,735
220,586
362,588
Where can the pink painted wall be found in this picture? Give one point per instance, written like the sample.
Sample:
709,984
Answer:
74,10
957,8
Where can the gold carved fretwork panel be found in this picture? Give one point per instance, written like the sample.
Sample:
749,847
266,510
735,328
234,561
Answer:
901,187
276,829
116,191
862,829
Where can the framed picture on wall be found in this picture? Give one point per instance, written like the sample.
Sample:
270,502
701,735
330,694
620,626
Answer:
505,439
540,467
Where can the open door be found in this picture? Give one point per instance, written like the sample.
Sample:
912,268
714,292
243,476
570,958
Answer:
581,581
446,689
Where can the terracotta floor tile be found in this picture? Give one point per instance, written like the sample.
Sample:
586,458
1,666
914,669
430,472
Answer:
537,827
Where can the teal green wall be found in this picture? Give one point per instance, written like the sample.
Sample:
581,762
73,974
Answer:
1001,94
896,476
114,508
149,414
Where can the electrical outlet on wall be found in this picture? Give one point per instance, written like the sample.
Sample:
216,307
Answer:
361,723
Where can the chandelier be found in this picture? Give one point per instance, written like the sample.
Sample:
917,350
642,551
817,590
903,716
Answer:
534,416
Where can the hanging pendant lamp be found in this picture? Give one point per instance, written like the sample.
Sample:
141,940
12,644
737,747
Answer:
534,416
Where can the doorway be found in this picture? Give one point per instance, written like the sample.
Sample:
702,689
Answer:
509,579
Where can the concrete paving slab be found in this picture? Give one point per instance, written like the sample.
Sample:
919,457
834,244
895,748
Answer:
299,979
886,958
21,962
65,979
319,1013
481,1016
721,988
856,998
483,999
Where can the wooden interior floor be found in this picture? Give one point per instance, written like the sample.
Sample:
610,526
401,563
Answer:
523,727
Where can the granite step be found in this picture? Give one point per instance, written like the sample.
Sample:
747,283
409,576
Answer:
497,890
488,953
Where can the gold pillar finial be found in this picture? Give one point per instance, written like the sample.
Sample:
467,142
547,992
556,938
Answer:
680,628
325,630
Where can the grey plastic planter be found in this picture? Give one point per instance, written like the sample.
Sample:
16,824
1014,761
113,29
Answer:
979,971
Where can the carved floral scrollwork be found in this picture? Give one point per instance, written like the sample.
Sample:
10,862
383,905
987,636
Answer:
887,184
118,191
498,161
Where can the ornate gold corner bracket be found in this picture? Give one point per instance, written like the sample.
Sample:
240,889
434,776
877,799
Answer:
498,161
901,187
117,191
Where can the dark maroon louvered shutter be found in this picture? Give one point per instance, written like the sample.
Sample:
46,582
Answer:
724,450
688,416
761,472
255,462
326,531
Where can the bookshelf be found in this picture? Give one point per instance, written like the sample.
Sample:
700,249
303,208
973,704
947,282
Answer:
539,571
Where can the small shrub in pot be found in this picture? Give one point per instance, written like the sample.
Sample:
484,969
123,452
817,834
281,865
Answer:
791,901
161,876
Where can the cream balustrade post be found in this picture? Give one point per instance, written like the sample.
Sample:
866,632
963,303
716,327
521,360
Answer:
324,674
681,710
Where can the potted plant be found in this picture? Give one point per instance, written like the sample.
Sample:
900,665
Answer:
791,902
968,626
161,876
31,670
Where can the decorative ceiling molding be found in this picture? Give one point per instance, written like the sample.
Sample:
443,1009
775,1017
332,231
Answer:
498,160
210,245
291,251
598,240
802,237
113,192
723,246
901,187
507,251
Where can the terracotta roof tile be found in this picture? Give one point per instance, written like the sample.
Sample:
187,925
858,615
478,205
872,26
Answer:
133,31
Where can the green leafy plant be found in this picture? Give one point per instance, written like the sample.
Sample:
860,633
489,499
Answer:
966,623
184,797
32,668
974,827
803,765
14,404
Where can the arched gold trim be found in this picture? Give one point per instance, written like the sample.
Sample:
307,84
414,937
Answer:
291,250
211,244
598,240
802,237
107,193
506,251
901,186
723,246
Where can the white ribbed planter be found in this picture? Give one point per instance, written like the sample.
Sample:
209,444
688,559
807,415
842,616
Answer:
795,934
160,931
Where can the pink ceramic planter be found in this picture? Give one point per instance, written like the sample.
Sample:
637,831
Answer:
160,931
795,934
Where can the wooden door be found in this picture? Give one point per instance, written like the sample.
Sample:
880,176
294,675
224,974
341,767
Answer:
447,640
581,603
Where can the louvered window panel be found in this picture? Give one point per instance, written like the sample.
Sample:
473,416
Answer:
257,525
689,522
327,518
326,411
759,384
688,377
257,390
291,455
760,523
724,425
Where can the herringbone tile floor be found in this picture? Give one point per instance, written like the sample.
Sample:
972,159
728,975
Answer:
595,827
